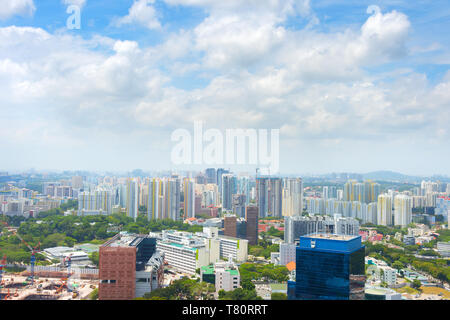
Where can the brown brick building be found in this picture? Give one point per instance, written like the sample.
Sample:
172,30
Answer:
124,262
229,225
117,272
251,216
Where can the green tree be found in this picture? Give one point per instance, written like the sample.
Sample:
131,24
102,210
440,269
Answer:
278,296
94,294
398,265
94,257
416,284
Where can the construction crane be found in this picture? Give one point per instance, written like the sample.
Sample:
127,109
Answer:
69,269
33,252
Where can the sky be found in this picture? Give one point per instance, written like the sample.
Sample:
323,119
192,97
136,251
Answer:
353,86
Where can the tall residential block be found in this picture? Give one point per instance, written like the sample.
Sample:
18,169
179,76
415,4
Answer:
384,210
402,210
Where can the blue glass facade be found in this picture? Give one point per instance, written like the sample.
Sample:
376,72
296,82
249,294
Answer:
325,267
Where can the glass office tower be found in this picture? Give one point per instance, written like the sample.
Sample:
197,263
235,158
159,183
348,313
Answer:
329,267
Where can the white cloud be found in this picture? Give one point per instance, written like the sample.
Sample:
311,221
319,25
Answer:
143,13
312,85
79,3
280,8
10,8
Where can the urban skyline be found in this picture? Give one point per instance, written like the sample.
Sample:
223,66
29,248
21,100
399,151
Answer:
235,150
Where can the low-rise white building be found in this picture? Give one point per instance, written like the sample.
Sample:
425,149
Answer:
444,249
224,275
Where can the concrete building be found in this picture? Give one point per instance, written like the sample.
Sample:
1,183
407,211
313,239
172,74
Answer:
292,203
269,194
229,188
287,253
388,275
275,258
163,199
235,248
239,205
77,182
377,293
444,249
61,253
409,240
99,202
185,252
189,198
132,196
297,226
442,207
224,275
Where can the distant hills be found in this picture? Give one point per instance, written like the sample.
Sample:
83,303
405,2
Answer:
396,176
389,176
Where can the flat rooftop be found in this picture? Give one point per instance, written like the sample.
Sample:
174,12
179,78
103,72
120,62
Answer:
125,240
339,237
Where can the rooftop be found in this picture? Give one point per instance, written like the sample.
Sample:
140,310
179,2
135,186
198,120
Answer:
125,240
328,236
291,266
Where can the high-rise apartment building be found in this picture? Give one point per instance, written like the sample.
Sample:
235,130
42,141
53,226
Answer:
366,192
220,173
402,210
325,192
164,199
211,175
95,202
189,198
292,201
239,205
384,210
269,194
132,196
77,182
229,188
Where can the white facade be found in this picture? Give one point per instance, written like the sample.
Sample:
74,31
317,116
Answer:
233,247
132,199
384,210
292,201
402,210
287,253
227,279
444,249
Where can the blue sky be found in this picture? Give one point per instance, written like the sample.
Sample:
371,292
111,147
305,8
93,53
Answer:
351,89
